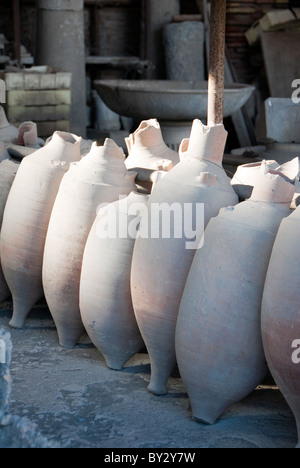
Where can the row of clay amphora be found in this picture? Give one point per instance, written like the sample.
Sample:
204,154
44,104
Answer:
106,266
245,232
99,179
107,259
50,211
29,207
219,344
151,263
48,216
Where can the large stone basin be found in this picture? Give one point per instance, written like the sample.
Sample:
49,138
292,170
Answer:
167,100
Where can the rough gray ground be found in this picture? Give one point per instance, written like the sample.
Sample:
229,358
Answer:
69,398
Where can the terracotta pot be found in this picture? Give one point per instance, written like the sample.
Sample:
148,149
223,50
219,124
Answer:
281,314
26,220
28,135
105,297
147,149
100,177
7,131
8,170
161,265
218,338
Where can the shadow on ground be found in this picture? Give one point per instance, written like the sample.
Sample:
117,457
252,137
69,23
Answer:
71,399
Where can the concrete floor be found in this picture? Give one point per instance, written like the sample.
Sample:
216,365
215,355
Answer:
70,399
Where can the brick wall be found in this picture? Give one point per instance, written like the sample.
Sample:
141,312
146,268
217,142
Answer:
240,16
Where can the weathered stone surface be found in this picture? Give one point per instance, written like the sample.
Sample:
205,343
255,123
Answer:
279,121
161,13
39,98
72,5
184,51
22,433
60,44
37,81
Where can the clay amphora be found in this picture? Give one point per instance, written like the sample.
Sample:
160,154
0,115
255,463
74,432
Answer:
105,297
245,177
281,313
8,170
246,174
7,131
147,149
218,337
85,145
161,262
26,218
100,177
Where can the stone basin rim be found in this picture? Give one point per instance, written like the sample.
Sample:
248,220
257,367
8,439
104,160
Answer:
167,100
169,86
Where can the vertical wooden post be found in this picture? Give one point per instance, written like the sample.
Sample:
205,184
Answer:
217,63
